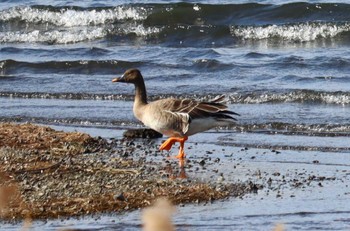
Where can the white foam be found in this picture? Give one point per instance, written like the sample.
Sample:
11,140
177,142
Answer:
71,35
294,32
336,99
298,96
71,18
140,30
61,37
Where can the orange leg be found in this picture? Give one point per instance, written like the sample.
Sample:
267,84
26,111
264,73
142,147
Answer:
169,143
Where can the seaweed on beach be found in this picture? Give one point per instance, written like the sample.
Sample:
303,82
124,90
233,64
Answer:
40,139
50,174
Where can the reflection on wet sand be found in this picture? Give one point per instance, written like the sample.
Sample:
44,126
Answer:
177,172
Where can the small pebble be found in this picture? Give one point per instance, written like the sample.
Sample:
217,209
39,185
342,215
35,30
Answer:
119,197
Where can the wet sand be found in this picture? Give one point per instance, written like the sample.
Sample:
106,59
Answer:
52,174
222,185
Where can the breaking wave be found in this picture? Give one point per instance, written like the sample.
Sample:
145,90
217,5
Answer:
51,37
329,130
71,17
296,22
302,32
72,35
54,25
296,96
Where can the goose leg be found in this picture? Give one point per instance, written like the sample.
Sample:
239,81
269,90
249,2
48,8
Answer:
181,154
169,143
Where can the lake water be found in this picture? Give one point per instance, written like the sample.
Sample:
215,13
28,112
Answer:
283,65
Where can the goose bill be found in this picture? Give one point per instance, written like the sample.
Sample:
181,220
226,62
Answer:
119,79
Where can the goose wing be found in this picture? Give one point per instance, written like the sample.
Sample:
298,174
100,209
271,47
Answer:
196,109
177,114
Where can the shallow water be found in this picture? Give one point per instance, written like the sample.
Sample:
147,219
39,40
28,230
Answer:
283,65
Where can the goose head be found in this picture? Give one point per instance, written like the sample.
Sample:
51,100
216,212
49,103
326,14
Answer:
130,76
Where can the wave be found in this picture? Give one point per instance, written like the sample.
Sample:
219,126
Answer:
52,37
329,130
295,96
246,13
167,14
69,96
73,35
55,53
71,17
164,23
7,67
10,67
211,65
301,32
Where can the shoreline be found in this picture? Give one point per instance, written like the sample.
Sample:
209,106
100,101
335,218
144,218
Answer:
52,174
278,186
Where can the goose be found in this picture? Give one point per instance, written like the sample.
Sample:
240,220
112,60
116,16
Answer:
176,118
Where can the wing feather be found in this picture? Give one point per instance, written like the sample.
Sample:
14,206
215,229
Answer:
182,121
196,109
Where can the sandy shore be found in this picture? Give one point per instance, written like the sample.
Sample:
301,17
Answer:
50,174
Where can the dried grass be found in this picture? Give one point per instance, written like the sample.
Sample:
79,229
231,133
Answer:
44,139
31,153
65,183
